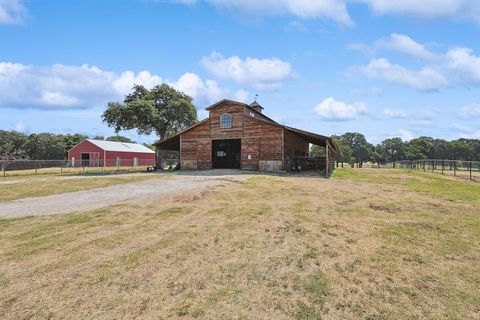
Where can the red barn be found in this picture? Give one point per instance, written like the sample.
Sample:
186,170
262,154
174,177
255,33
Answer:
100,153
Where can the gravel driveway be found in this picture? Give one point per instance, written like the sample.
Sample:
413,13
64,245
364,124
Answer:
102,197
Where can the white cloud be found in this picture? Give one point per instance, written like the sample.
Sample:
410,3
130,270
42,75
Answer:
79,87
456,67
263,74
242,95
427,78
337,10
394,113
398,43
405,135
330,109
203,92
12,11
463,66
404,44
470,112
123,84
20,126
469,9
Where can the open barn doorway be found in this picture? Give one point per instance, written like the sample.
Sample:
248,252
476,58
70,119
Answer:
226,154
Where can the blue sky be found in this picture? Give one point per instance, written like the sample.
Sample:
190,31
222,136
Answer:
382,68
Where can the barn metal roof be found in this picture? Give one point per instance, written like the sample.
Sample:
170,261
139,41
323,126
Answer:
120,146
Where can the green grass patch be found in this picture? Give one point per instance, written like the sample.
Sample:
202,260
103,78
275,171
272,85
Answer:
316,287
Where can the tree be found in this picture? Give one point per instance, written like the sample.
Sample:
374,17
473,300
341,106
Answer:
441,149
462,149
390,150
98,138
118,138
71,140
317,151
420,148
343,153
12,145
361,149
162,110
45,146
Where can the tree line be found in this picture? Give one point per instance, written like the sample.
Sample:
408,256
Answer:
353,148
43,146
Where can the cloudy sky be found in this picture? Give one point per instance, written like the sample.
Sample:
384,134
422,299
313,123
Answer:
384,68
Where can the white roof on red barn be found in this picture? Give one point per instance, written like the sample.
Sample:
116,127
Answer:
120,146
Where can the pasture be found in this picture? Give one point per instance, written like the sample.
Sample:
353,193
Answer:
365,244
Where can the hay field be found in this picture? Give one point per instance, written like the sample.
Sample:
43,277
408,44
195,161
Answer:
365,244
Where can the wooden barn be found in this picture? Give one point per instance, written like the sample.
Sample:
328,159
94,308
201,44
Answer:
240,136
101,153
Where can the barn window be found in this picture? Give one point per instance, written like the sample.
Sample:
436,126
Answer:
226,121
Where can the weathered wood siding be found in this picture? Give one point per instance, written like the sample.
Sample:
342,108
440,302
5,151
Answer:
236,131
263,142
196,147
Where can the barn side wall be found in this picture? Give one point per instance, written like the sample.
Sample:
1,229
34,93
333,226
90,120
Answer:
83,147
262,146
196,148
127,158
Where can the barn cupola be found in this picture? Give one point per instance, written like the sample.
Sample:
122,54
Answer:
256,106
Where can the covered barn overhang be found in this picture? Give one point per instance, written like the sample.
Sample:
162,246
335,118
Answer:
170,143
173,142
313,138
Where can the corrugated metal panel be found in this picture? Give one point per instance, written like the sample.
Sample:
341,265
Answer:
120,146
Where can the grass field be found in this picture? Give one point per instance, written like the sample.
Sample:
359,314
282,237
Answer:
365,244
19,187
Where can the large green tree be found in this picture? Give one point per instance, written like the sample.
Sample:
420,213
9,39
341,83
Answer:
45,146
361,149
12,145
420,148
390,150
162,110
343,152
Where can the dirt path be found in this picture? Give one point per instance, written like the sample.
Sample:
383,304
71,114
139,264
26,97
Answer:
81,201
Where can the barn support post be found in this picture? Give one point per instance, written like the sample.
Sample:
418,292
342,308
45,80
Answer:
327,160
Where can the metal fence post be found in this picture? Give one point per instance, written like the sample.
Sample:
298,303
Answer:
443,166
4,169
470,165
454,168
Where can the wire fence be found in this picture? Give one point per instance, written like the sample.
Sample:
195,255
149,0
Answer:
458,168
32,167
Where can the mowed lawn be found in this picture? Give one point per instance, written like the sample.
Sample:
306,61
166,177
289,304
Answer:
365,244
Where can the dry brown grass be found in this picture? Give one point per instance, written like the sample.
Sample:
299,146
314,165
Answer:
364,244
21,187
